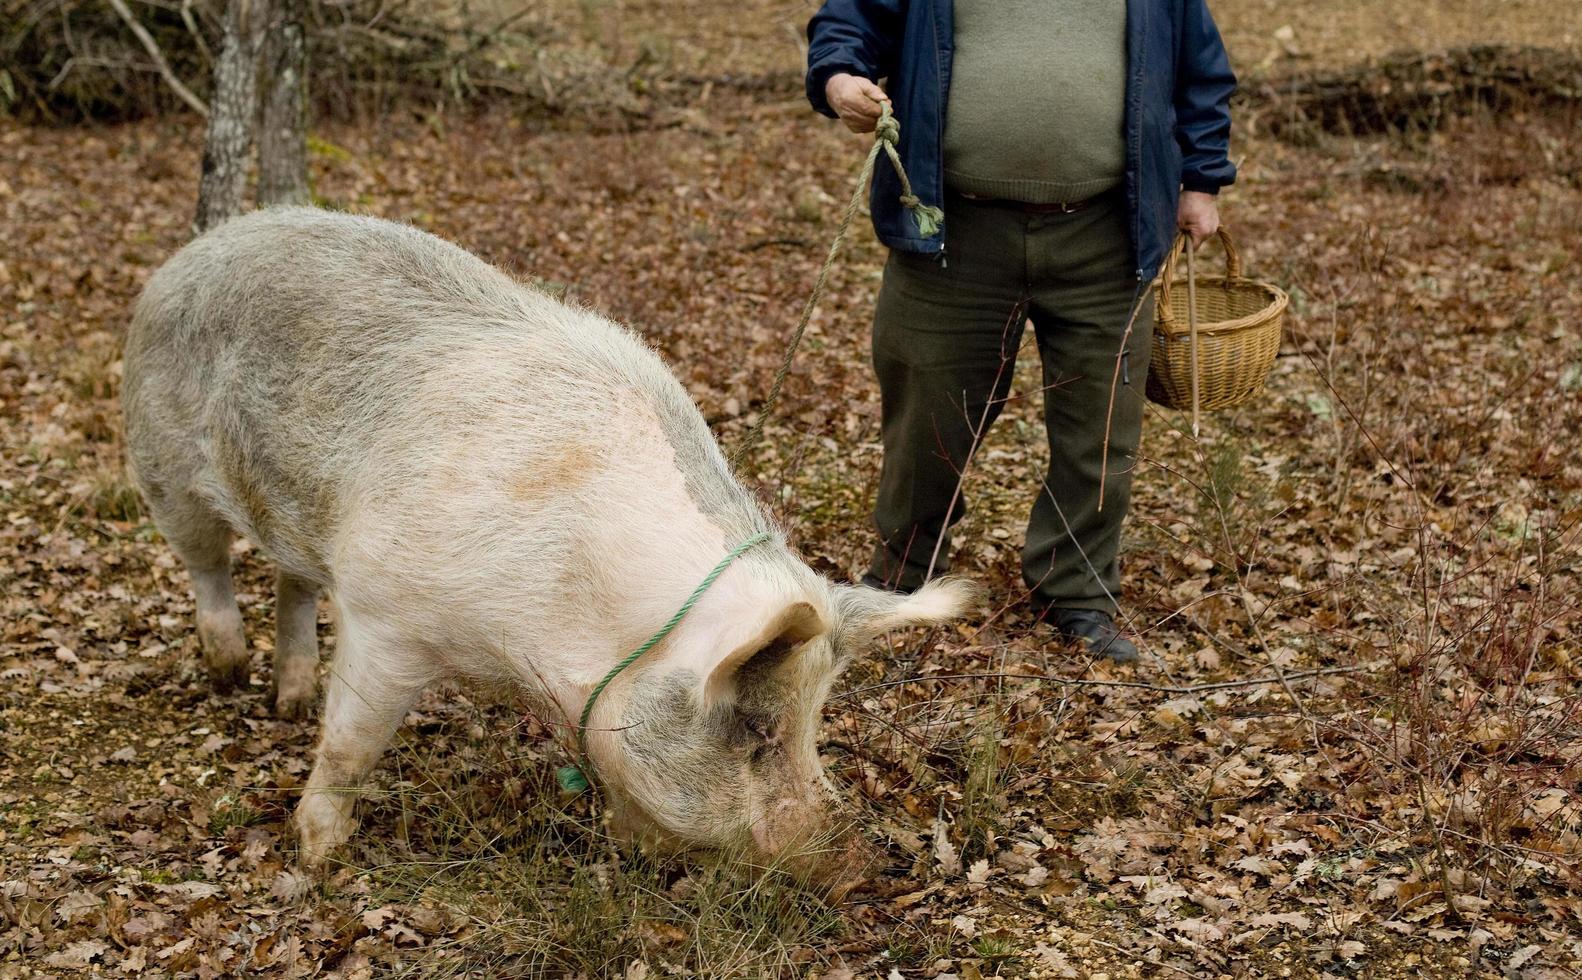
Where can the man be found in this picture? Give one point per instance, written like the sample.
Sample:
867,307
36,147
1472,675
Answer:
1067,141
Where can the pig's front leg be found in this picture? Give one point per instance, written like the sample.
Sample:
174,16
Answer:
372,683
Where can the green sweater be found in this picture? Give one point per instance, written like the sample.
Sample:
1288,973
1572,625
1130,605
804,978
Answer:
1037,99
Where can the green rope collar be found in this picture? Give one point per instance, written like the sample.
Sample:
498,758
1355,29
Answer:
576,779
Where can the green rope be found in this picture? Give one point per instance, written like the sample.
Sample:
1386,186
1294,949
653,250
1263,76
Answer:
578,778
886,135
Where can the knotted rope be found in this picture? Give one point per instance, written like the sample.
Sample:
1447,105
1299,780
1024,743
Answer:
886,136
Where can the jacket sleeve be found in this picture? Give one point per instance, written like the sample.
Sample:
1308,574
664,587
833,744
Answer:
1204,84
856,36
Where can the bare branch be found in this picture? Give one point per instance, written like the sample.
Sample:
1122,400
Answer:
197,35
183,92
1093,682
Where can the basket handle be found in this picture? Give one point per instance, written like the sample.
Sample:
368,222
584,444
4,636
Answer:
1162,310
1191,252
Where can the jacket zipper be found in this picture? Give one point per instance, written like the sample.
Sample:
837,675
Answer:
939,121
1135,53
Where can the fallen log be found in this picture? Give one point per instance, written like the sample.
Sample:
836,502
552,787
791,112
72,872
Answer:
1412,91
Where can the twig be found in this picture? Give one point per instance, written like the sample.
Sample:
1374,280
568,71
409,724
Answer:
197,35
183,92
1007,358
1254,619
1109,413
785,240
1090,682
1133,953
490,36
1439,850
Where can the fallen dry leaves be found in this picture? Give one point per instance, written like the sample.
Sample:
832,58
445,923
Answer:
1403,506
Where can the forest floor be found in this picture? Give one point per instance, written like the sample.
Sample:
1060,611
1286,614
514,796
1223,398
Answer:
1394,529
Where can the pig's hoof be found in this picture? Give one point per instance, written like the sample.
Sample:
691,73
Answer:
225,654
294,705
226,676
313,856
324,822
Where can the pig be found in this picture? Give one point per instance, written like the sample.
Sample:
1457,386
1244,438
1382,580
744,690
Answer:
491,486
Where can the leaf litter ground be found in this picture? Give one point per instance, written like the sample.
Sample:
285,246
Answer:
1393,529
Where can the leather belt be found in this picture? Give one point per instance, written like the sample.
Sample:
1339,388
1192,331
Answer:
1050,207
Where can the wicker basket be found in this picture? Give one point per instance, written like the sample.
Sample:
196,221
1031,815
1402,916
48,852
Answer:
1233,323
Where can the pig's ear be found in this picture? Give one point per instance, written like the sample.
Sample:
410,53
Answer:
863,613
774,638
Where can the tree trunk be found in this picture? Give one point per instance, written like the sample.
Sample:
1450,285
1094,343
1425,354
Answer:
283,137
232,113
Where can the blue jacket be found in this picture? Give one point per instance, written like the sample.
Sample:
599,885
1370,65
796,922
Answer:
1178,87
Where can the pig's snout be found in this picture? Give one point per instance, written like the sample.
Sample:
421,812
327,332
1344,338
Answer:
785,823
800,838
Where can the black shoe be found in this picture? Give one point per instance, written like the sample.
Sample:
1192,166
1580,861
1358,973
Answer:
873,581
1093,630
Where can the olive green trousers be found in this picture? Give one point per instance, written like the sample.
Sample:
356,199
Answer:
945,339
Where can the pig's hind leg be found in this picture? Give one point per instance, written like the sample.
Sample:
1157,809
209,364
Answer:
373,680
296,645
202,540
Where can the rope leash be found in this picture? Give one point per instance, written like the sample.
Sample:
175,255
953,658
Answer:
886,135
575,779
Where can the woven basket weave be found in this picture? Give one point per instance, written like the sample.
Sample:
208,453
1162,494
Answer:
1236,323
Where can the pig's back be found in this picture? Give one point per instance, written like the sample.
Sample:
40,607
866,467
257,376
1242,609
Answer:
343,386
